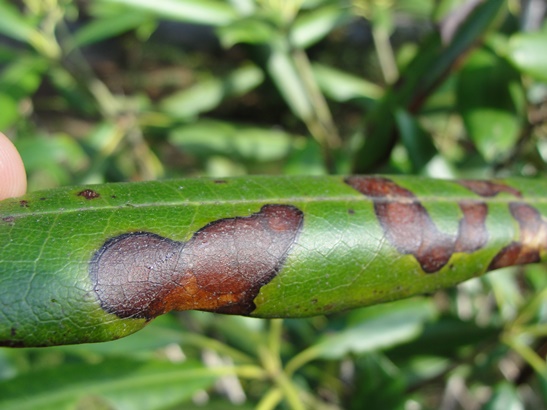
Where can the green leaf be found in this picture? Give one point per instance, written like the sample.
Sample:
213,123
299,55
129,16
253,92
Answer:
281,68
528,52
9,112
207,137
490,99
209,93
211,12
416,140
22,77
331,243
379,384
102,28
116,383
51,159
445,338
341,86
427,70
310,28
505,397
251,30
305,159
13,24
378,328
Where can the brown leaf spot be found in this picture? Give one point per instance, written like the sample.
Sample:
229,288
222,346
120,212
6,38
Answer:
221,268
488,188
23,204
8,219
89,194
533,238
472,233
409,227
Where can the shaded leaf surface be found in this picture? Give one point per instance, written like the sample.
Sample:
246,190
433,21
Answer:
124,384
381,328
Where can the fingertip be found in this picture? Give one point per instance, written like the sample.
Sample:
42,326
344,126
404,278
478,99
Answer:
13,178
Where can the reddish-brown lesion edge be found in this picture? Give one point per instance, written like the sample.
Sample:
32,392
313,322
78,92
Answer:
532,226
409,227
220,269
532,241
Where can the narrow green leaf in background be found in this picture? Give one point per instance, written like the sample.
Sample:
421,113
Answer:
488,98
101,29
250,30
255,144
14,24
378,327
123,384
211,12
208,93
416,141
312,27
341,86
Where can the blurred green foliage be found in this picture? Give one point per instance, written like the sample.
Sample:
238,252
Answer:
118,90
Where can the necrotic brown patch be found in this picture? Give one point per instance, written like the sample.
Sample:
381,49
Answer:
488,188
89,194
409,227
533,238
221,268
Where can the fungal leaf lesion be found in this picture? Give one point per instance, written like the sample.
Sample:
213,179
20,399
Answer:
409,227
532,238
89,194
221,268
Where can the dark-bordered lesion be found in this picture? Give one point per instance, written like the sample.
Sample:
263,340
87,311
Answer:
408,226
221,268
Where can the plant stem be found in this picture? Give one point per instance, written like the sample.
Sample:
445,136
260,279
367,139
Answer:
271,399
526,353
221,348
301,359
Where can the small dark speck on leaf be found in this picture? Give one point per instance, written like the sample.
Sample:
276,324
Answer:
220,181
43,198
89,194
23,204
351,211
8,219
113,196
